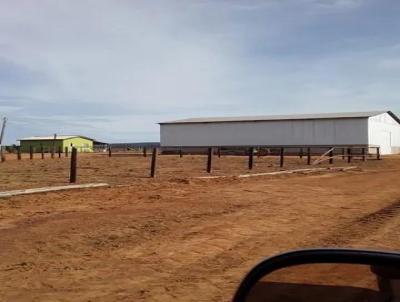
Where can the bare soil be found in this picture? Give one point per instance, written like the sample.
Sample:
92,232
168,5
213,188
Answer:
176,238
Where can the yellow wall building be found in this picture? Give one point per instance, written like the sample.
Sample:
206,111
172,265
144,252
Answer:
81,143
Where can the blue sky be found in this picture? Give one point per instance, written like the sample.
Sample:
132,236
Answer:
113,69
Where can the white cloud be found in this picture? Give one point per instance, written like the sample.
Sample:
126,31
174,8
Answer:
123,54
113,69
340,3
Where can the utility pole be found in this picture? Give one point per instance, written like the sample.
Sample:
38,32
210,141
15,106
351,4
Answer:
2,130
1,136
53,150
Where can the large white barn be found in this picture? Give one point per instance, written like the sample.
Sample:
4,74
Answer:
364,129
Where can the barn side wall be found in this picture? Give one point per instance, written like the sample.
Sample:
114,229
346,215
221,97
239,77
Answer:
38,144
351,131
384,131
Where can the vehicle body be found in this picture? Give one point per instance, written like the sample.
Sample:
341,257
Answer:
331,275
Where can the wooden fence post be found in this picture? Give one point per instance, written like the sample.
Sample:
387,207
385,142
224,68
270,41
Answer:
349,155
301,153
209,160
343,153
331,156
251,158
153,163
144,152
378,153
66,151
31,152
364,156
19,153
180,153
109,151
59,151
282,157
42,151
74,160
308,156
219,152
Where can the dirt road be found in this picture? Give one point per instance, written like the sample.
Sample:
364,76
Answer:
183,239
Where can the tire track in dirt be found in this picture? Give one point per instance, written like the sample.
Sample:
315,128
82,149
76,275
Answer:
362,227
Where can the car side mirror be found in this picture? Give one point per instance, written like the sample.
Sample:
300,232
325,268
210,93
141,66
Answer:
326,275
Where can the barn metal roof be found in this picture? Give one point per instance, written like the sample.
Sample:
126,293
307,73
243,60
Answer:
51,137
315,116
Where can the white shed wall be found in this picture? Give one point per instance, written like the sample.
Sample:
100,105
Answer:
273,133
384,131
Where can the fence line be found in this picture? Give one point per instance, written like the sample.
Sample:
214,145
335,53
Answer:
346,153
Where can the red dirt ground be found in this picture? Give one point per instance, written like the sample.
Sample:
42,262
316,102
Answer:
176,238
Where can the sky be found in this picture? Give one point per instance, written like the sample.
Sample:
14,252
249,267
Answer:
112,70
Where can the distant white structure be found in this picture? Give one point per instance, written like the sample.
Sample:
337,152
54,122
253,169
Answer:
364,129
